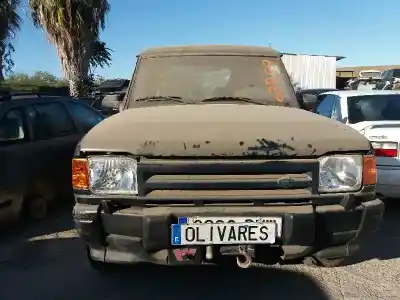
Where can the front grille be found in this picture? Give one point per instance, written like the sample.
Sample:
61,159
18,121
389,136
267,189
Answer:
230,181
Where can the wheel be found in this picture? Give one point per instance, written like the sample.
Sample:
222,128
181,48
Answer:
12,214
332,262
324,262
95,264
10,218
37,208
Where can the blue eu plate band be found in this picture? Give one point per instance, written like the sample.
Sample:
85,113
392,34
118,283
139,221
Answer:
175,234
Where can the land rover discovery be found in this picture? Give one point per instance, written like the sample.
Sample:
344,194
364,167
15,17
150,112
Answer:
212,159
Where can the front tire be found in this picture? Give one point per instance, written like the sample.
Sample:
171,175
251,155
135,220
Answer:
325,262
37,208
95,264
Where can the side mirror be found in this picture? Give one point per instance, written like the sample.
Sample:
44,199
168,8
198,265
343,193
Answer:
310,102
111,102
121,106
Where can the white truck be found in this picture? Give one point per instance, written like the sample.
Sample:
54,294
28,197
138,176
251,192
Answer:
376,114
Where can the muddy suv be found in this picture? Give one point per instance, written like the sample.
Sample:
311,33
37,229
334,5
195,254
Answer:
211,159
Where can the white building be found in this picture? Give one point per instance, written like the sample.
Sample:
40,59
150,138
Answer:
311,71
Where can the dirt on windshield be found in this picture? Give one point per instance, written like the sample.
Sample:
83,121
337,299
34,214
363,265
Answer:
201,75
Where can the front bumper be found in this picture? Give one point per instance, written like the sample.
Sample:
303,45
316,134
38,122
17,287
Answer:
138,234
388,182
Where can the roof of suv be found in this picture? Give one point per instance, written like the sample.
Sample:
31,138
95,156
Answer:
210,50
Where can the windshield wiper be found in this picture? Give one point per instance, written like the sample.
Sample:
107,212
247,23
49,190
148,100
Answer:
226,98
161,98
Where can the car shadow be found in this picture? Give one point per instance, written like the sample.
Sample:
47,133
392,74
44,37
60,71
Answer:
384,244
62,265
58,219
58,222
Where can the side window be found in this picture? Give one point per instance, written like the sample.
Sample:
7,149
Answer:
326,106
336,111
396,73
319,99
12,127
389,75
83,115
50,120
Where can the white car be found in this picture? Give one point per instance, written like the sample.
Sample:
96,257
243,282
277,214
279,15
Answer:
376,114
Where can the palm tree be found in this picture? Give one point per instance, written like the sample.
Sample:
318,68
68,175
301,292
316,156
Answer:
10,22
73,27
101,56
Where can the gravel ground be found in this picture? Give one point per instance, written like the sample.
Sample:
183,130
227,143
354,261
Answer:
47,261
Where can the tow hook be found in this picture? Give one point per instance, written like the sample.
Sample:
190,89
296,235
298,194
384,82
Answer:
244,258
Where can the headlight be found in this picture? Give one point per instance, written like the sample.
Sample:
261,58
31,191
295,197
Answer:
340,173
112,175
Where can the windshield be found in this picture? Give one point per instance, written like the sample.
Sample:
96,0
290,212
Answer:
195,78
373,108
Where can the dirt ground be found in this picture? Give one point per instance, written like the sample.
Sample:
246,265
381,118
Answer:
47,261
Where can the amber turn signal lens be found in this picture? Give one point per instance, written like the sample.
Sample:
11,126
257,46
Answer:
80,174
369,170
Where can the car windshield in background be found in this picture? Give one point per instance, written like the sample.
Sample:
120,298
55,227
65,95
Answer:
374,108
195,78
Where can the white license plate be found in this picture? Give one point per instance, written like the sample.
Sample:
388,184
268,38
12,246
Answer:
223,220
223,234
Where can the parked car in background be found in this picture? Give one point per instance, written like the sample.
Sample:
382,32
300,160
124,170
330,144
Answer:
38,135
376,114
110,103
366,81
108,95
111,85
388,77
301,93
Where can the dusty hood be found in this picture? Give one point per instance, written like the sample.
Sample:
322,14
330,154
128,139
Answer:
222,130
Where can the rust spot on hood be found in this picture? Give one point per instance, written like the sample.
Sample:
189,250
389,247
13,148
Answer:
271,148
148,144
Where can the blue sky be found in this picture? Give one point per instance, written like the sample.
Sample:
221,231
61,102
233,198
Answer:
354,29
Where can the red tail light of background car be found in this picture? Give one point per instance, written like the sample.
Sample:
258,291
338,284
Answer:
385,149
